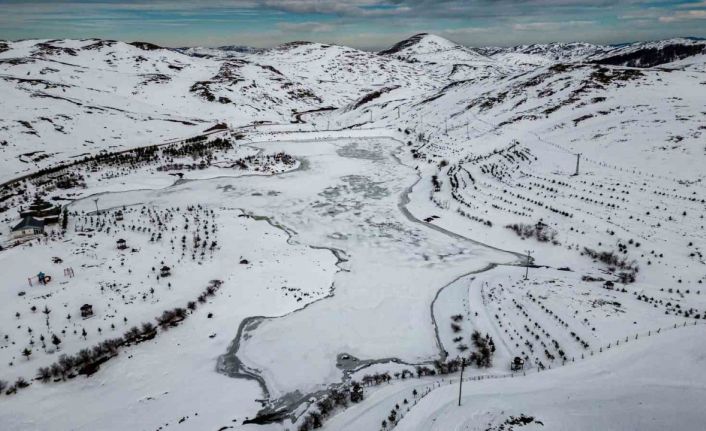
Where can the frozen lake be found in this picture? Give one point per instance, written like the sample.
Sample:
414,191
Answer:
348,196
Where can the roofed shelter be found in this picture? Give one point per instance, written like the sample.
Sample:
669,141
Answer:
27,227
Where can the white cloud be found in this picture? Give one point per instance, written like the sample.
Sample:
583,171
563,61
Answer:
306,27
684,16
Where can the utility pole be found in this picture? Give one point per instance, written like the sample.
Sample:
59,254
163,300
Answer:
96,202
460,381
371,115
529,253
468,135
446,122
578,157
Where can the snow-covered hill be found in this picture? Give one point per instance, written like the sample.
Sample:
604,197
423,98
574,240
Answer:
554,52
651,54
626,390
448,59
70,97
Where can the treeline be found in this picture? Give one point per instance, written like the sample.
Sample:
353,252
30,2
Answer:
197,147
628,269
540,231
485,348
62,177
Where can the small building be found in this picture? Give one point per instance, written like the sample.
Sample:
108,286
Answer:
27,227
165,271
122,244
119,216
86,311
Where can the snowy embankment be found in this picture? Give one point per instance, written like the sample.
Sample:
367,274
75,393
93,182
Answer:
628,328
651,384
626,387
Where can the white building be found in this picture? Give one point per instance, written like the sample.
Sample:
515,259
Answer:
27,227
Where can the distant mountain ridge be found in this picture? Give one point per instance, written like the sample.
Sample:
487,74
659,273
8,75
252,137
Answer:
225,50
427,47
53,85
650,54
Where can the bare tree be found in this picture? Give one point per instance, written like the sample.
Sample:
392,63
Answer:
55,341
44,374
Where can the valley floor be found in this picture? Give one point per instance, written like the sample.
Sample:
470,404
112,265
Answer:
339,274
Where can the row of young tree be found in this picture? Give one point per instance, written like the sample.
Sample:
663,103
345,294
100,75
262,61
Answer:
334,399
88,360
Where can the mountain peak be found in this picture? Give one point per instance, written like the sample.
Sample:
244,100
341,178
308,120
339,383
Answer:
420,43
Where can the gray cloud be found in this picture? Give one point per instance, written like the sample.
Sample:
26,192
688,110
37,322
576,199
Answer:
360,23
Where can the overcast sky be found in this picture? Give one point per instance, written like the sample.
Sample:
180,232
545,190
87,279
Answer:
367,24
